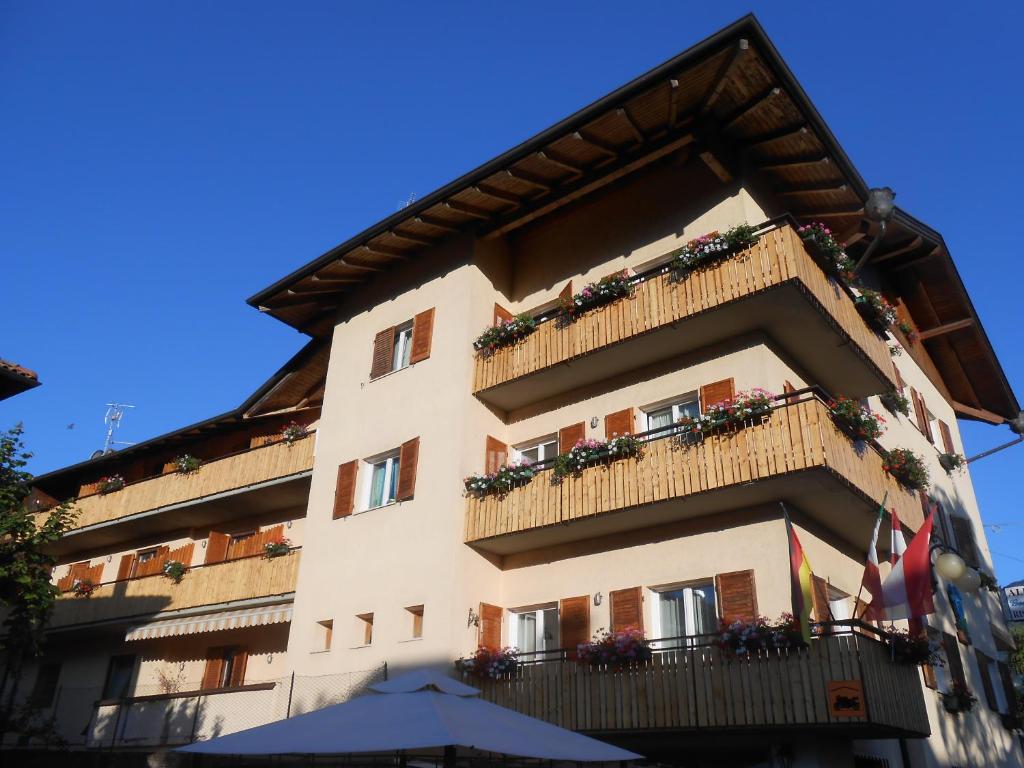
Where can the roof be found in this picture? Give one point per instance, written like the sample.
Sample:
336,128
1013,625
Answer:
15,379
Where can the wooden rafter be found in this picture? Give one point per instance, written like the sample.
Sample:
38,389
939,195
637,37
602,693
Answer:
361,267
978,413
755,103
547,157
813,188
497,194
597,144
631,124
916,260
913,245
856,234
941,330
291,298
529,178
412,238
742,46
849,210
673,101
469,210
795,162
436,224
385,250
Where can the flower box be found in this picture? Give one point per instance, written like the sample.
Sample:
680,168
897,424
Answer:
712,247
911,649
175,570
83,588
586,453
952,462
742,637
878,313
293,431
905,465
856,420
895,402
826,250
186,464
276,548
504,334
110,484
500,482
615,650
737,412
489,663
959,699
594,295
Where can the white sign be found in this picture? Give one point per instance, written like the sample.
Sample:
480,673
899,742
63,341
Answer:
1015,602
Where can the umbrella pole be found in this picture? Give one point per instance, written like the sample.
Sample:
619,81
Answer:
449,757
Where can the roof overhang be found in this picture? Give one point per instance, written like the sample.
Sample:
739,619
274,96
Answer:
15,379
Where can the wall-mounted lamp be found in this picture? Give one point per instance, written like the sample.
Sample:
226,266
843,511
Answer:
879,208
473,619
288,524
951,567
594,421
109,558
598,597
270,658
203,543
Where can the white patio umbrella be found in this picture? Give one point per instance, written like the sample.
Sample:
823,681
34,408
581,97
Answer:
421,710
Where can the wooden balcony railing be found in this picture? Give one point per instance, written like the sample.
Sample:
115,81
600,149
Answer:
794,438
697,688
239,470
662,299
244,579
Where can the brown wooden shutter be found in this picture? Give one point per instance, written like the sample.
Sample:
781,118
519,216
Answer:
569,436
489,635
619,423
900,383
77,572
345,489
383,353
407,469
963,532
422,331
947,437
241,658
737,595
95,574
501,315
985,669
819,594
217,547
956,664
716,392
921,414
786,389
627,608
124,569
1008,688
566,293
574,622
214,666
496,455
182,554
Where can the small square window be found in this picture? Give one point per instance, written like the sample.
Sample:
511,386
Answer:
381,483
662,416
324,635
403,347
364,628
45,687
416,621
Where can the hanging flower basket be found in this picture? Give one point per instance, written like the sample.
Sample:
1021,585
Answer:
988,582
186,464
908,332
740,638
895,402
952,462
615,650
504,334
276,548
907,468
712,247
858,422
110,483
594,295
586,453
911,649
959,699
83,588
876,311
500,482
489,663
822,245
175,570
293,431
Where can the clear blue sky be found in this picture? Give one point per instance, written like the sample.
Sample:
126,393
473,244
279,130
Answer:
163,161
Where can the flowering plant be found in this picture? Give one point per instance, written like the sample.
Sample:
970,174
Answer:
175,570
588,452
604,291
712,246
959,698
83,588
111,483
820,241
276,547
741,408
907,468
744,636
912,649
187,463
895,402
988,581
908,332
504,333
293,431
952,461
615,649
500,482
489,663
856,419
875,310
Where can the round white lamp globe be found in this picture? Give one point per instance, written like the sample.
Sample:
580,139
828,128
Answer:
950,566
969,582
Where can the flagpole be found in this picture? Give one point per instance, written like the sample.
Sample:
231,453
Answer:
885,497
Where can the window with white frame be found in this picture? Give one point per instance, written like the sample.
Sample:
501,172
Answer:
381,480
685,610
666,414
540,449
403,346
535,629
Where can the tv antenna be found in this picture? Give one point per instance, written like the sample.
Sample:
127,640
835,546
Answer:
406,203
112,418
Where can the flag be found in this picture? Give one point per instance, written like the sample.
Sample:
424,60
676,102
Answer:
872,580
907,590
800,579
899,542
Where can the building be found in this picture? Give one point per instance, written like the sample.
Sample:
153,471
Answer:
390,563
15,379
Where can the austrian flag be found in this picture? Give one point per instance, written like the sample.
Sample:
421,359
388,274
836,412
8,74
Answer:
906,592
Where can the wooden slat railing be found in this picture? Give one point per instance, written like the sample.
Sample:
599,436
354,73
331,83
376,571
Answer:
778,257
257,465
203,585
698,688
794,437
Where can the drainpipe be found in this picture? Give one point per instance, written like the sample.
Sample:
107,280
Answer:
879,208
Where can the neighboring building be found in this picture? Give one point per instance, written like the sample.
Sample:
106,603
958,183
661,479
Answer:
398,567
15,379
1013,600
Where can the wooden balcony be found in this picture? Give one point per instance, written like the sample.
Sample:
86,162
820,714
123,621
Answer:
796,454
255,481
774,287
245,579
695,689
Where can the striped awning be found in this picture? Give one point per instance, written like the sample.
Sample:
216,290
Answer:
212,622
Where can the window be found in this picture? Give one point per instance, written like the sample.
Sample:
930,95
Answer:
381,483
536,630
685,611
416,620
45,686
142,557
364,629
230,669
324,633
402,347
241,544
538,450
666,415
225,667
119,677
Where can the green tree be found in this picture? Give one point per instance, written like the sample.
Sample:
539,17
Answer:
26,563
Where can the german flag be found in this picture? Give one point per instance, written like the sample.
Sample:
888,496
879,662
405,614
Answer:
800,579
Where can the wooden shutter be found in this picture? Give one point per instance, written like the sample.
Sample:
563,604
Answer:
900,383
182,554
345,489
77,572
619,423
985,668
383,353
819,593
241,658
95,573
921,413
408,457
716,392
574,622
1008,689
489,635
214,666
737,595
124,569
947,437
566,293
927,670
963,532
496,455
422,331
569,436
786,389
956,664
217,547
501,315
627,608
